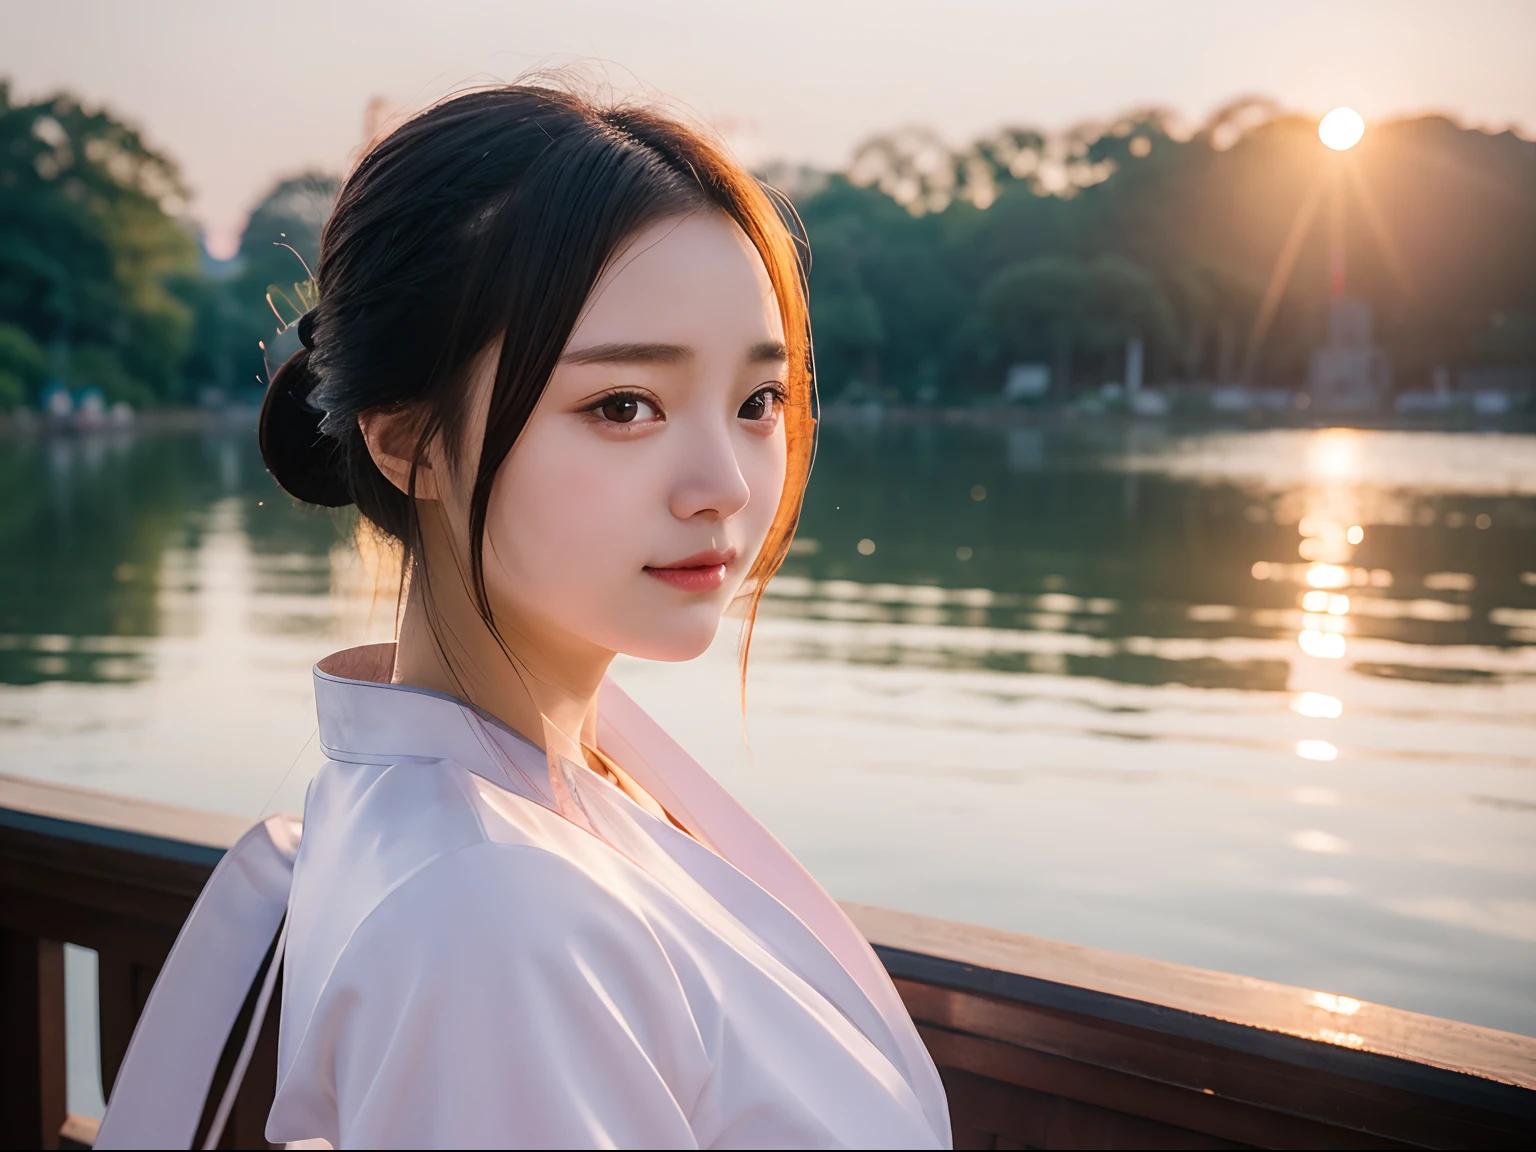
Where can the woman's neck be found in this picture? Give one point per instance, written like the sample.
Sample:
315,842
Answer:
447,647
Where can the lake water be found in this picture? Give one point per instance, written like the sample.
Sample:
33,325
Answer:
1260,701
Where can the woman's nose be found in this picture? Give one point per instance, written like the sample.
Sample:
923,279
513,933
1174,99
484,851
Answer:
709,482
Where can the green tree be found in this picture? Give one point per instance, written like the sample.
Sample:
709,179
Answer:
1123,301
91,250
23,366
278,249
944,265
1036,310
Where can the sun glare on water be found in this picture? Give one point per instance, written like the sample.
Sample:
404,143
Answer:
1341,129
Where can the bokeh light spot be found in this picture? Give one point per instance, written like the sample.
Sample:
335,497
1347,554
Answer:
1318,705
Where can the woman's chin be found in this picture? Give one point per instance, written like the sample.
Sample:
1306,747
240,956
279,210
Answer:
685,640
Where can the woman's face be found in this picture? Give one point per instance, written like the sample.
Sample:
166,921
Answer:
636,499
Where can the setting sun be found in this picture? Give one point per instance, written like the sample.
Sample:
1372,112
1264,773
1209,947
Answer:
1341,129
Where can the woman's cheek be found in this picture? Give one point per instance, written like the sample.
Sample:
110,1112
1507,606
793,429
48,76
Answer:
764,465
572,528
562,527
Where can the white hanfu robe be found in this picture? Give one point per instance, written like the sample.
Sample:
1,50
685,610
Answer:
488,946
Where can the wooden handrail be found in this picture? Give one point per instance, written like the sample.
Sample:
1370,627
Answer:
1153,993
1040,1043
122,821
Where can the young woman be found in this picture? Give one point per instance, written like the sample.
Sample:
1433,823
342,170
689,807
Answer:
561,355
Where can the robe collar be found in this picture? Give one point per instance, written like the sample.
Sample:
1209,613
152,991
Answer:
365,719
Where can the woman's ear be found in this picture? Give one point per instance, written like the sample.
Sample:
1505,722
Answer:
393,437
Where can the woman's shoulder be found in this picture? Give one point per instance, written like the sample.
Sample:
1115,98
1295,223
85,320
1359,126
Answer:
418,860
493,964
367,827
494,935
506,899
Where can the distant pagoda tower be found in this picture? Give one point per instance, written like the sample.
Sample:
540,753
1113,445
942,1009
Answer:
1349,373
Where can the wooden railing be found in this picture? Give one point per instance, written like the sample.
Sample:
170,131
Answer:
1041,1045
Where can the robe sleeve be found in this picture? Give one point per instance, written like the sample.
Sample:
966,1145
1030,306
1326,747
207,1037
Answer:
502,998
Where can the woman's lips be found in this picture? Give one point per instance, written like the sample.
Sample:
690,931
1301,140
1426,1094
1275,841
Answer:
703,572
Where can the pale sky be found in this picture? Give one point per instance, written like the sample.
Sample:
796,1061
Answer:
243,93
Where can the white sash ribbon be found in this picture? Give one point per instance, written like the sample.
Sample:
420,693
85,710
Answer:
161,1088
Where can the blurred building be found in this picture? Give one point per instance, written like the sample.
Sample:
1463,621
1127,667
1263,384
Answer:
1349,373
1027,382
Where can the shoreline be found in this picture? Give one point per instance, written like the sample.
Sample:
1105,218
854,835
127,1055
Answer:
874,417
846,415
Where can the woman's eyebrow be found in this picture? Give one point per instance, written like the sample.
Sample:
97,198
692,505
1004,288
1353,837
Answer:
629,354
765,352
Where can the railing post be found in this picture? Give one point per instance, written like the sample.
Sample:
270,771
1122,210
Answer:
123,986
32,1061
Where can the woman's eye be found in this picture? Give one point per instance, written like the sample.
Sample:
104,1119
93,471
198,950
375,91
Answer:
760,405
625,408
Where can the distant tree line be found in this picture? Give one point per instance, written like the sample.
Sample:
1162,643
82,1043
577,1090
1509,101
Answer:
103,282
934,269
97,278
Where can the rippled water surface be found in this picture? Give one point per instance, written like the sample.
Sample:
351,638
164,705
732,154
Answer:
1256,701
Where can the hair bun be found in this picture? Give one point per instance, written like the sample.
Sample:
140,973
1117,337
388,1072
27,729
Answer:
304,461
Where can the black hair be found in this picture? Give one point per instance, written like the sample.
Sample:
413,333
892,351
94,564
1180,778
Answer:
488,218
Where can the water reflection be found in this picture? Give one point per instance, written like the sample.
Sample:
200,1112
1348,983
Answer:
1016,533
1318,705
1253,701
1066,523
1316,750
